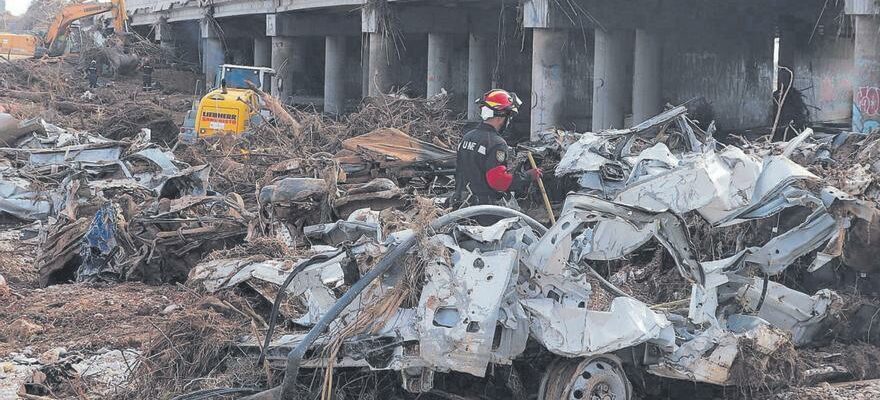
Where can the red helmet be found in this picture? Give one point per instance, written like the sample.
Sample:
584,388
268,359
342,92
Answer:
499,103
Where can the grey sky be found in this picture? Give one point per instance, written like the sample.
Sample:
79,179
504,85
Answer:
17,7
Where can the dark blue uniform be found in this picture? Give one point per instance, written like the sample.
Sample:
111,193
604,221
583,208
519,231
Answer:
481,174
92,75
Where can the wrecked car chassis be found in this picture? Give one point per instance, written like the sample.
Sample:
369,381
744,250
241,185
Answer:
554,291
295,357
515,288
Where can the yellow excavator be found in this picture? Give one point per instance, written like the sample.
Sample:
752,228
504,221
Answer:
55,41
232,107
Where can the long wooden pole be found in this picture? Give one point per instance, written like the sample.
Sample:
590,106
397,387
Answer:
543,191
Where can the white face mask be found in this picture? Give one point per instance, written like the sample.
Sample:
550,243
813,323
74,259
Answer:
486,113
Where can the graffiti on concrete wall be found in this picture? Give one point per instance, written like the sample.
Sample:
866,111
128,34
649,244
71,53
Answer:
866,109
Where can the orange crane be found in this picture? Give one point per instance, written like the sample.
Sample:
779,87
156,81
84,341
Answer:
27,45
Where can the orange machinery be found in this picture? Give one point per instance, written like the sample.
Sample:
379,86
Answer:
15,45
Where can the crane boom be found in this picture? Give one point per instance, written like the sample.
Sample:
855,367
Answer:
76,12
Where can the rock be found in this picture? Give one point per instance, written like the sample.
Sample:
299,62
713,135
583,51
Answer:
110,369
6,367
23,329
170,309
4,287
38,378
53,355
22,359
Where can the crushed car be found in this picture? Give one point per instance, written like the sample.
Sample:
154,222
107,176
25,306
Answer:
478,298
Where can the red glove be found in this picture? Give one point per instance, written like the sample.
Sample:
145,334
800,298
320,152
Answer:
535,173
499,179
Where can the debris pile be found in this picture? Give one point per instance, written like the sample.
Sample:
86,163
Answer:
194,340
390,137
107,210
645,188
116,209
429,120
92,336
55,89
312,249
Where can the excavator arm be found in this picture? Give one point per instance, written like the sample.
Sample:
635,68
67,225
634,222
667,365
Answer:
76,12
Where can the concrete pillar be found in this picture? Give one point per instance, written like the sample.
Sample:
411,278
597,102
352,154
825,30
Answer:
381,54
282,50
439,62
479,77
334,77
365,66
212,57
647,85
612,50
168,45
548,91
289,63
866,79
262,51
212,52
298,62
164,35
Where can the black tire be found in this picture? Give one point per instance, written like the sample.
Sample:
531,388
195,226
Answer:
594,378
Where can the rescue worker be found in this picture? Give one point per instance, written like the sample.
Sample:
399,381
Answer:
147,71
92,74
481,174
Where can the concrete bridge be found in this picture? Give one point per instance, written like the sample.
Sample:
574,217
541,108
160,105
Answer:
578,64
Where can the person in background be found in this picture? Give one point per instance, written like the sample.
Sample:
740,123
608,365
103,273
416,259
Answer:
147,70
92,74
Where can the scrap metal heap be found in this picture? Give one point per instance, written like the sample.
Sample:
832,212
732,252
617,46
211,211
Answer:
117,209
764,235
487,292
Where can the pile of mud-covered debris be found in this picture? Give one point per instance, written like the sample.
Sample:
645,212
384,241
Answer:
315,256
409,141
56,90
86,214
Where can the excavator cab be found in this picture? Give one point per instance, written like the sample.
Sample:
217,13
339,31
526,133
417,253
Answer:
231,107
238,76
55,40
